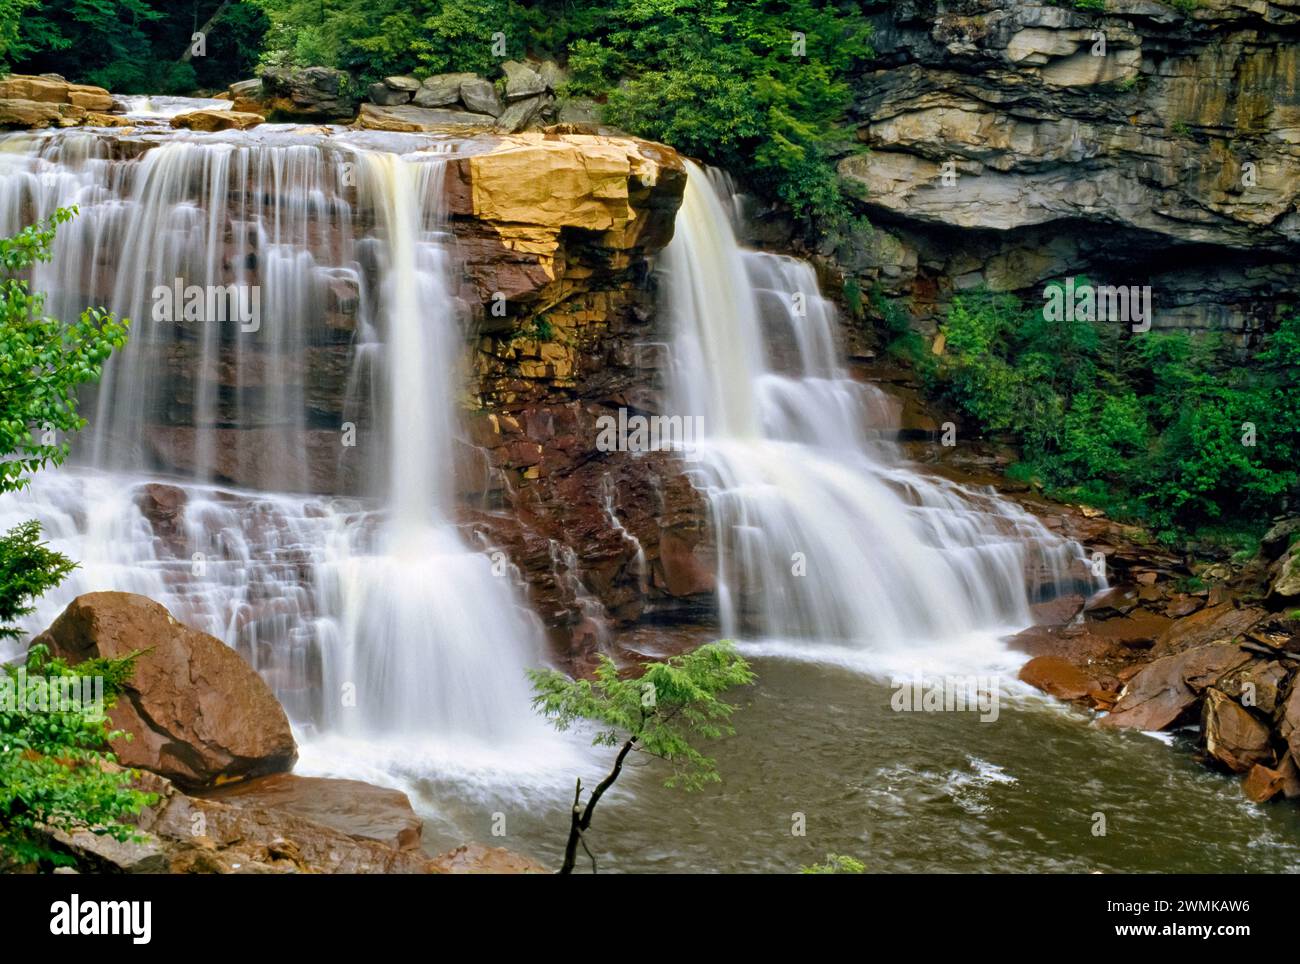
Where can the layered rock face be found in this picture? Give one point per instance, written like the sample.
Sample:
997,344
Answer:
558,233
1012,143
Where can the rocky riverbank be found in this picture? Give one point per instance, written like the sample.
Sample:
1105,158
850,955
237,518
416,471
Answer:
1205,643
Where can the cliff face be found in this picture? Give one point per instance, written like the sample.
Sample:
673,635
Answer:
557,233
1011,143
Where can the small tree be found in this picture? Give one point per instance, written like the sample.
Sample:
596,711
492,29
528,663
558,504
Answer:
55,770
659,713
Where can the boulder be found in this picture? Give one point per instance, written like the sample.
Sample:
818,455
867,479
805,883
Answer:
521,114
198,714
1256,685
50,89
480,96
1058,677
552,75
308,94
360,810
217,120
385,96
30,114
1262,783
522,81
1233,735
402,82
442,90
1164,690
1284,585
407,117
1279,538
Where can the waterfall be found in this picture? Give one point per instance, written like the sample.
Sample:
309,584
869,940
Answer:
824,533
314,533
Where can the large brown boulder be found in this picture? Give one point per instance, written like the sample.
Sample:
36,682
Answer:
198,714
1164,690
1233,735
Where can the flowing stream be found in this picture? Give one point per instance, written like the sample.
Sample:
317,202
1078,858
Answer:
333,564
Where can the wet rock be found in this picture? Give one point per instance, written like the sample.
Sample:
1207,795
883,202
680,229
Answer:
1058,677
1233,735
217,120
1117,600
1163,691
198,714
1262,783
1256,685
477,859
33,114
1211,624
360,810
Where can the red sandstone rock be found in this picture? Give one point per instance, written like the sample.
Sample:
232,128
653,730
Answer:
198,713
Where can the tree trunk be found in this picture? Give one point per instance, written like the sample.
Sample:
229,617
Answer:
186,57
579,818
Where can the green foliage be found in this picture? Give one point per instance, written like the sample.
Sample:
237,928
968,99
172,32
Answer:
54,770
661,712
1150,426
133,46
1094,6
42,360
28,568
716,79
836,864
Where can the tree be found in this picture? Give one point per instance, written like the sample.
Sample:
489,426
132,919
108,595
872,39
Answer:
42,360
658,713
55,770
55,774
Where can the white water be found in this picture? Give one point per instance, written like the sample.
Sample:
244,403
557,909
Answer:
335,569
826,537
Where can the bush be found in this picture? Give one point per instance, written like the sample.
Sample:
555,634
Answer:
1161,428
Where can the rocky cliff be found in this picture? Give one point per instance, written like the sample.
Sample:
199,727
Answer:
1011,142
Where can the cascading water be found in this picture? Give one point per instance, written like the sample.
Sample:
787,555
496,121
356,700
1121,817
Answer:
312,533
824,535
